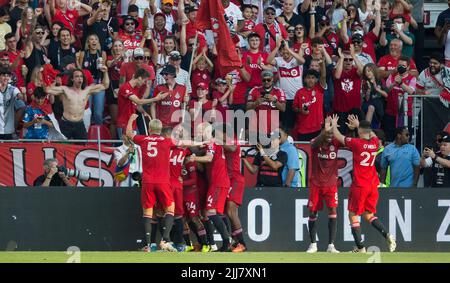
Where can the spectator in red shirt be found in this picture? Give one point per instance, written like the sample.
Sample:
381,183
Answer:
15,59
223,96
129,99
201,73
308,104
388,63
327,33
159,32
256,60
61,13
200,108
114,63
347,86
128,34
270,30
128,69
398,83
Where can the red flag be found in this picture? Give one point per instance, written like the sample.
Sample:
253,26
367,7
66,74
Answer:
210,15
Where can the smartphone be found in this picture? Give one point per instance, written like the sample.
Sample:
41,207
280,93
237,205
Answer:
447,21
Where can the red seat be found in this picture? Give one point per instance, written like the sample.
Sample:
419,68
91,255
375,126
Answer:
94,130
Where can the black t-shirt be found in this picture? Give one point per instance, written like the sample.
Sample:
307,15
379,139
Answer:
440,174
442,18
55,182
56,53
295,20
100,29
306,17
15,15
266,175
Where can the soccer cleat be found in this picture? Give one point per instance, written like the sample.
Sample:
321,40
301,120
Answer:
239,248
225,248
391,242
357,250
189,248
145,249
213,248
153,247
332,249
180,248
205,249
166,246
312,248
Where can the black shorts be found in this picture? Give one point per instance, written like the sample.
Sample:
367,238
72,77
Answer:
73,130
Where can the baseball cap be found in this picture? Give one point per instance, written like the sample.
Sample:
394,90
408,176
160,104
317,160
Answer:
269,8
324,20
203,86
445,138
266,73
129,18
138,52
357,25
67,60
164,2
159,14
175,55
221,81
169,69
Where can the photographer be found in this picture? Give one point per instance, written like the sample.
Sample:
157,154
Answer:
53,175
268,163
439,163
398,30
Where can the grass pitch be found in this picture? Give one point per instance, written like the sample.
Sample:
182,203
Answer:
248,257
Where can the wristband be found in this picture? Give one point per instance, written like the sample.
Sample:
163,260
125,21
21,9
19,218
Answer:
48,178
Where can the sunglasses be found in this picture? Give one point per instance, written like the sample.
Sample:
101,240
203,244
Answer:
191,44
348,59
139,58
290,30
39,32
267,80
165,74
129,24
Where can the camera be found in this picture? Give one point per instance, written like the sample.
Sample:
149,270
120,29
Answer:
388,26
305,107
282,45
137,177
82,176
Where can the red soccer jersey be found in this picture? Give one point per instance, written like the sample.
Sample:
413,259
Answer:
397,92
222,107
313,99
177,155
166,107
307,51
126,106
114,70
199,77
128,69
325,164
68,19
217,169
249,25
130,42
364,154
18,71
155,158
190,176
255,69
347,91
333,40
234,162
390,63
269,107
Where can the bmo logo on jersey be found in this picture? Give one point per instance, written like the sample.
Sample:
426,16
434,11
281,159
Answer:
290,73
175,103
331,156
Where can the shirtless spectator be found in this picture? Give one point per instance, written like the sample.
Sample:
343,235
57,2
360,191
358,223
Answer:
74,97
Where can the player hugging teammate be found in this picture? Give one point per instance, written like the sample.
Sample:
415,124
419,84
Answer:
363,195
177,199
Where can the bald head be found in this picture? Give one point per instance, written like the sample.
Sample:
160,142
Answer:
155,126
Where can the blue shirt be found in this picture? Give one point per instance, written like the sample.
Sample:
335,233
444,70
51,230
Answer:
402,160
292,163
37,130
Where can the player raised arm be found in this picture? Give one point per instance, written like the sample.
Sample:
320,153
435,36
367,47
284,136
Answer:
129,131
321,138
336,133
275,165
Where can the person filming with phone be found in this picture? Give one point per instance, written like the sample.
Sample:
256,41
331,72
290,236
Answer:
439,162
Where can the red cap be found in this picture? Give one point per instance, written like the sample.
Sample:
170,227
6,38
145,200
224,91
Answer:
203,86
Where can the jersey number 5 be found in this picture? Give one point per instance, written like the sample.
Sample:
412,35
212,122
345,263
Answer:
365,162
152,151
